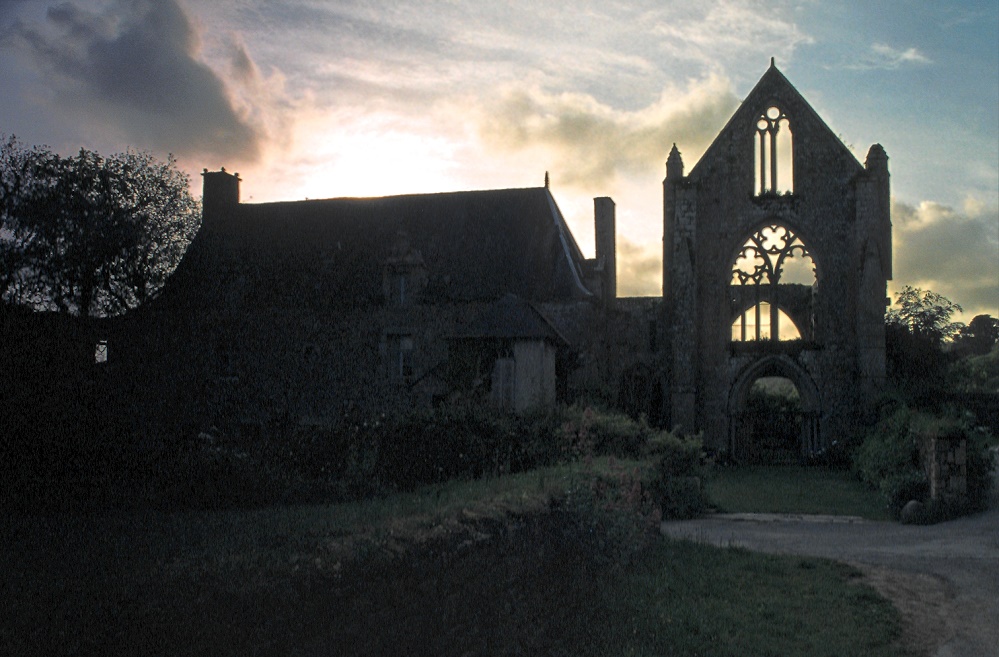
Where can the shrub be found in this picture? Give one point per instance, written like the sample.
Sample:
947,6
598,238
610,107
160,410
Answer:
677,488
603,433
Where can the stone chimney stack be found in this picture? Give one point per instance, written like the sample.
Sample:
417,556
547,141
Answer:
605,224
220,195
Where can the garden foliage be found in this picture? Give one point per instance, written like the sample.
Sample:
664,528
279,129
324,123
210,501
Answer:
889,460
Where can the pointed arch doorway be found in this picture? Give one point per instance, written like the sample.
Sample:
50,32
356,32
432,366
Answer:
773,413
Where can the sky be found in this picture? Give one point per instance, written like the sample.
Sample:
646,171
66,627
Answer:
332,98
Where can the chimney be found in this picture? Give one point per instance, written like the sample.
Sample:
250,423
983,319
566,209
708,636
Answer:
604,224
220,195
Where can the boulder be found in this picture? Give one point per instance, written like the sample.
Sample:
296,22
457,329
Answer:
912,512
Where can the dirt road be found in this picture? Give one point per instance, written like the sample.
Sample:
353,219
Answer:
944,578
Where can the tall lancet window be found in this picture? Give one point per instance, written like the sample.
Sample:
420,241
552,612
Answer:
774,157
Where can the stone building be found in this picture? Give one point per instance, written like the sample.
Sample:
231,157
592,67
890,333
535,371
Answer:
295,313
776,250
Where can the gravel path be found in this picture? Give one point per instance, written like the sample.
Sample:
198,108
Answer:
944,578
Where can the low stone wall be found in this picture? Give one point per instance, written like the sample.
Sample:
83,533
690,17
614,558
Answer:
945,460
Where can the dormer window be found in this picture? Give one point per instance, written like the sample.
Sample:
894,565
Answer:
774,157
404,275
397,288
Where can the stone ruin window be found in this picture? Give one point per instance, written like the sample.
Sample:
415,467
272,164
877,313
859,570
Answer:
772,256
774,157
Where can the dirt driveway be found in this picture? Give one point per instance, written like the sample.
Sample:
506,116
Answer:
943,578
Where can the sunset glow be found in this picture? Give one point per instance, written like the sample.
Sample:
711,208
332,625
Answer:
324,100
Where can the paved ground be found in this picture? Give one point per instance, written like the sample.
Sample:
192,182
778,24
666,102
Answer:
944,578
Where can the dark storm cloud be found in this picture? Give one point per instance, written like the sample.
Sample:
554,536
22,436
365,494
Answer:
135,67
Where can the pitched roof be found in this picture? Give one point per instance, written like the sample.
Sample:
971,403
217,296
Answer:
512,317
475,245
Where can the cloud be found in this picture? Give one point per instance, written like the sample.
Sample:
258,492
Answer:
954,253
730,29
639,269
134,68
592,143
885,57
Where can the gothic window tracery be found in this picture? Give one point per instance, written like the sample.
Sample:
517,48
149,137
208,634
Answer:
773,255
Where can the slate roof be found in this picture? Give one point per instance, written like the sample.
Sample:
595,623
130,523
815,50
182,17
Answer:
512,317
476,246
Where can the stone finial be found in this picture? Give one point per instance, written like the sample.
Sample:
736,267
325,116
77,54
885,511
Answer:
876,157
547,181
674,164
772,64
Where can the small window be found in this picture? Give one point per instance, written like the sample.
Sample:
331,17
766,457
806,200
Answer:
398,288
101,352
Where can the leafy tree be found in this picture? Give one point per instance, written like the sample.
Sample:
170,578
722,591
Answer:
925,314
979,336
88,234
914,337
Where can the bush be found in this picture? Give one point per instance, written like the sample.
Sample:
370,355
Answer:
677,487
604,433
888,448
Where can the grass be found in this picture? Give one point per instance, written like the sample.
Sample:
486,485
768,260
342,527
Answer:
793,489
275,581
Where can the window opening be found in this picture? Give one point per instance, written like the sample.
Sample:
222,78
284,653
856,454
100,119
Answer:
101,352
400,357
754,324
774,152
771,256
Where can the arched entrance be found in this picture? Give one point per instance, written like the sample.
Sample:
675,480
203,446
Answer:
774,411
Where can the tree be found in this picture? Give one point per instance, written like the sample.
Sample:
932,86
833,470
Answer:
90,235
979,336
914,337
925,314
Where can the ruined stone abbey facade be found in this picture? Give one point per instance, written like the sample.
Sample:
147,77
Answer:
777,230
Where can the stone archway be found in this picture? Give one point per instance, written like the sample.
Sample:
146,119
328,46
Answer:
740,419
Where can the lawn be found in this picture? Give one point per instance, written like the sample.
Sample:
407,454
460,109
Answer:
477,568
793,489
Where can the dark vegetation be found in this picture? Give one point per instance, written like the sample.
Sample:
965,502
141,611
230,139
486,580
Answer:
776,426
944,381
454,569
89,235
100,464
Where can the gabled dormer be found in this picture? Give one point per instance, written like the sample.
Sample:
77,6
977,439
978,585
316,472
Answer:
404,274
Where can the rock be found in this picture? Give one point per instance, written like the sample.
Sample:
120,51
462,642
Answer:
912,512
